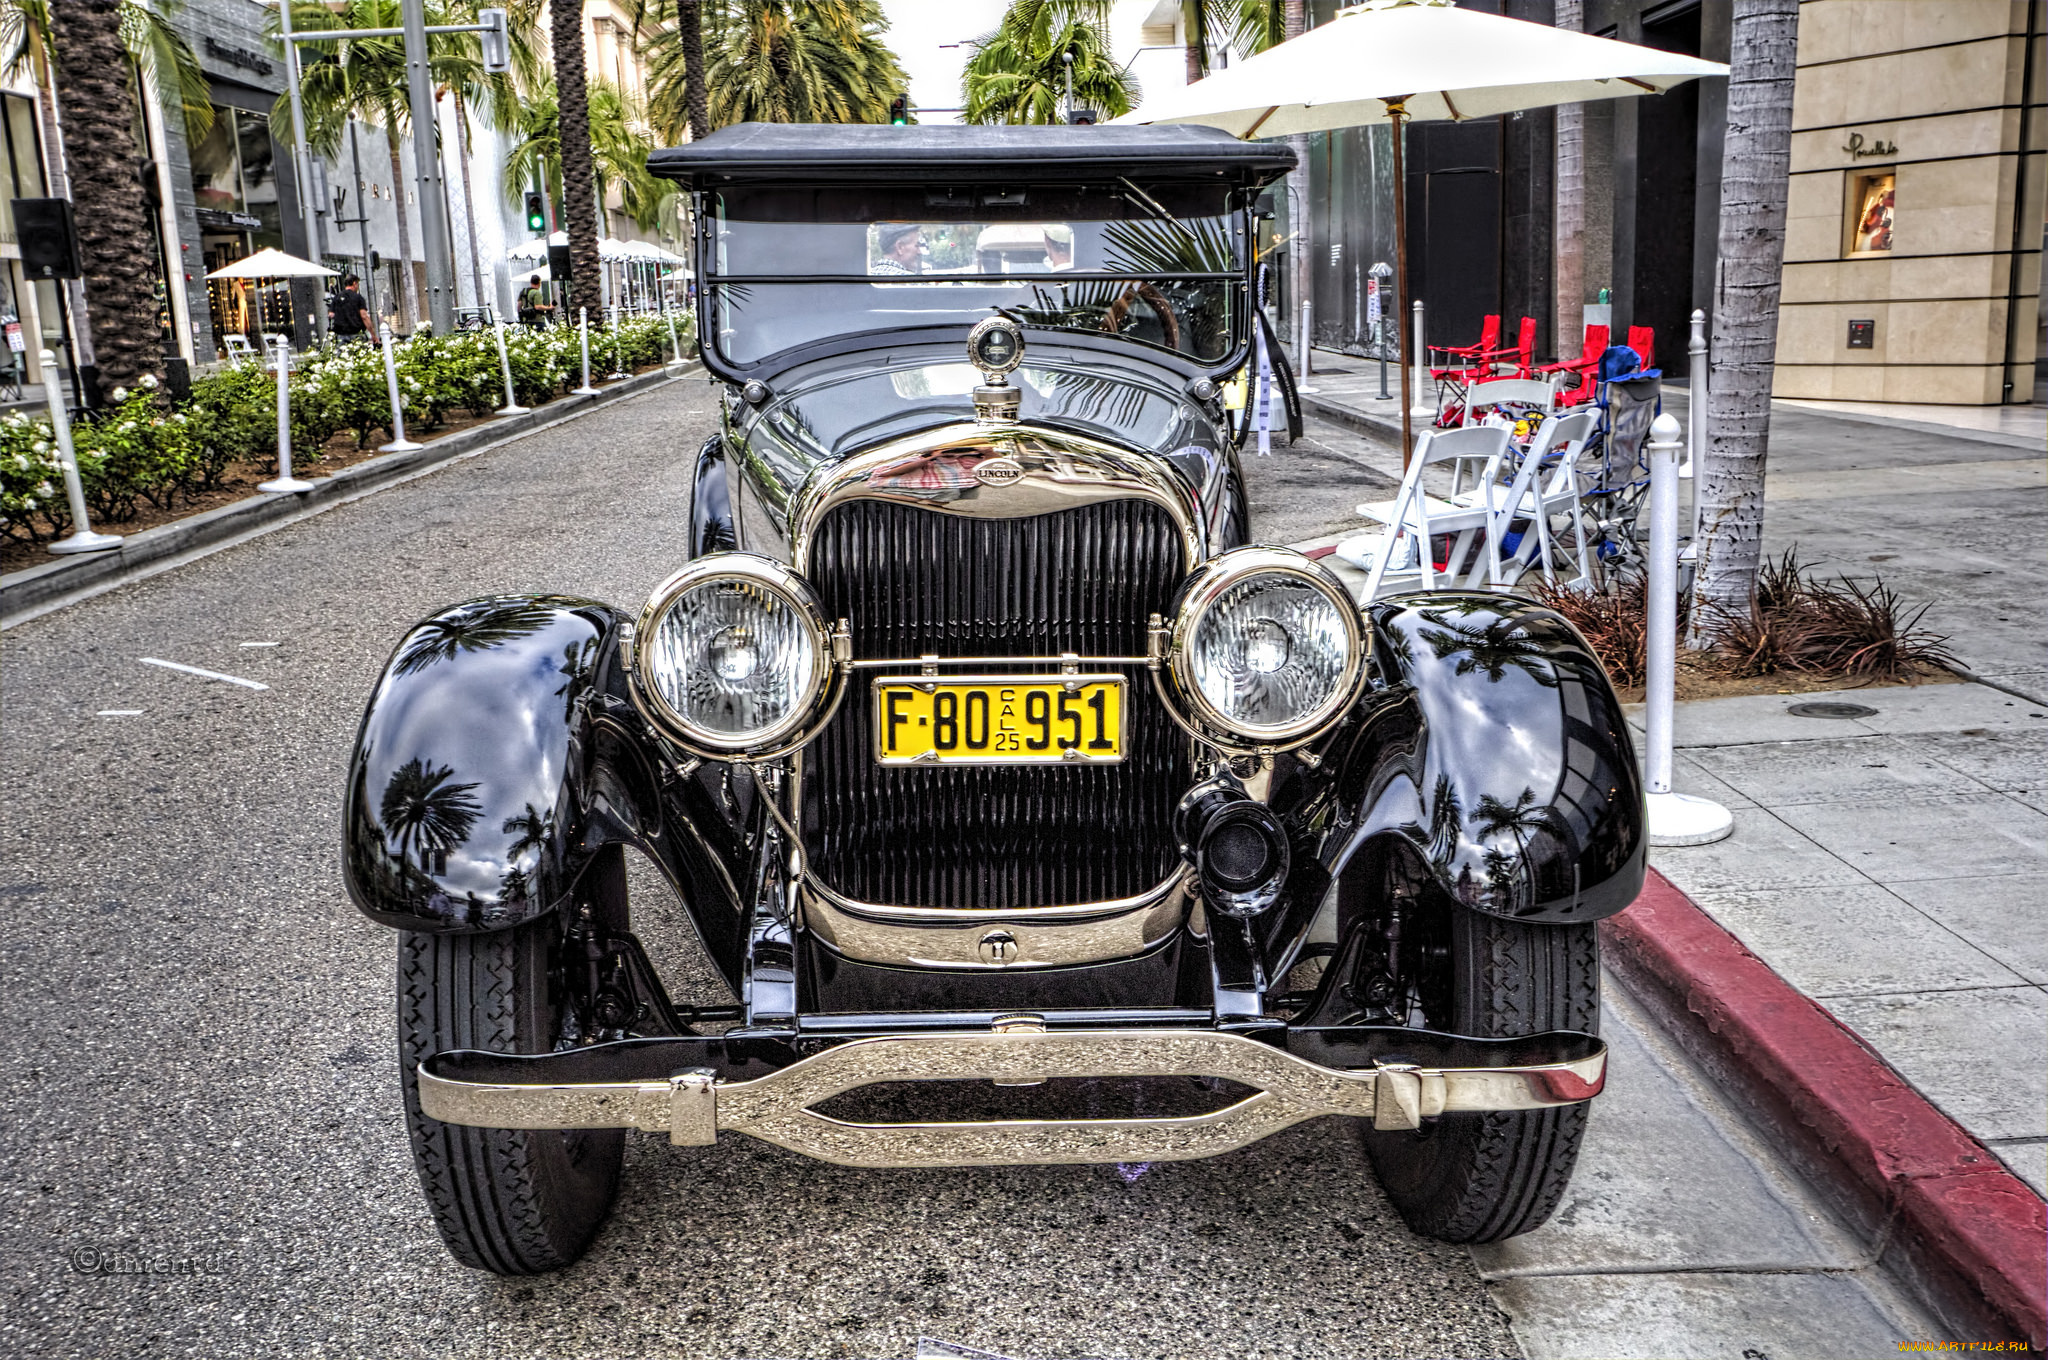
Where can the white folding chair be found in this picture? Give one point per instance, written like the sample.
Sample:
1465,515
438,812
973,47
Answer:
1546,482
1537,394
1473,459
237,349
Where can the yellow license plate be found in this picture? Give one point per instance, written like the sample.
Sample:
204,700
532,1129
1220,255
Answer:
1000,720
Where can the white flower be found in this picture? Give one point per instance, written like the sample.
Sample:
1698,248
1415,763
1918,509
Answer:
120,394
45,489
28,502
41,446
148,381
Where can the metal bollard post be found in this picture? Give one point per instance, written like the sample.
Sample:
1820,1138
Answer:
81,539
511,406
618,350
399,443
284,483
586,390
1421,410
1696,423
1673,818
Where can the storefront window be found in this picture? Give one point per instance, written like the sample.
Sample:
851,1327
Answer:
234,181
1870,212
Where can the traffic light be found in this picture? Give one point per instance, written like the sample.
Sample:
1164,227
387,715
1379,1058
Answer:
1081,117
536,213
899,111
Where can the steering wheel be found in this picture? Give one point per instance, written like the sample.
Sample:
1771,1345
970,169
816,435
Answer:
1149,294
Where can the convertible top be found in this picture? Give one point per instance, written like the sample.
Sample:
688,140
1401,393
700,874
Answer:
779,153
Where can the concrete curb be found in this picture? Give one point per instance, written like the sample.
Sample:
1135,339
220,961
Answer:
1972,1237
1351,418
34,591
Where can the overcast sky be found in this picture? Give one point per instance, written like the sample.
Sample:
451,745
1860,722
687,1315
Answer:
931,36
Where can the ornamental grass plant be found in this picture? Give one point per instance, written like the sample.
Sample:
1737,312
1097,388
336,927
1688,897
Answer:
143,449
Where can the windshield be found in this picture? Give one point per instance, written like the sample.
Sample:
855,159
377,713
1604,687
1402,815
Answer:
1161,267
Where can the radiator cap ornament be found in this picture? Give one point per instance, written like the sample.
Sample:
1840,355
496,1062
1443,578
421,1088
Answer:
996,347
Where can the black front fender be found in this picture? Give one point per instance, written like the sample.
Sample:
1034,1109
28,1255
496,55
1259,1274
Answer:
1498,754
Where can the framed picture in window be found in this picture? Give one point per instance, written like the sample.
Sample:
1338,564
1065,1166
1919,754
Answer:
1872,194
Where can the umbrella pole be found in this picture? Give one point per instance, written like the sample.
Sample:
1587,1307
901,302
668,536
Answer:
1397,115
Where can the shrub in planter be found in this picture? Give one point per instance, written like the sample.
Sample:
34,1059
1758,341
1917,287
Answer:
132,450
233,416
32,504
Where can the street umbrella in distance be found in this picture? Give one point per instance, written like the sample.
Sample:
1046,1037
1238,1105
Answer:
271,264
1393,61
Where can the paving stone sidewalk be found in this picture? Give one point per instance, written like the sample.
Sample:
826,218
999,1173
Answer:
1894,866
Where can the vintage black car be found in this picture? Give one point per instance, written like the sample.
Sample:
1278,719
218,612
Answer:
985,747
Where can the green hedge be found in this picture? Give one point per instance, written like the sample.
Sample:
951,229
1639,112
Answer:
141,448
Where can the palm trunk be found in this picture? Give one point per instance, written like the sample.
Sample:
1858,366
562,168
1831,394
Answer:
402,302
98,106
476,258
1294,23
1755,166
1571,207
579,188
1194,29
690,19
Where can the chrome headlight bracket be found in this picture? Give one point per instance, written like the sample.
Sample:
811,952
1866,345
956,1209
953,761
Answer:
1169,642
824,673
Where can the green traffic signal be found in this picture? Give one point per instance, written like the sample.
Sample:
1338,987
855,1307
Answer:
536,213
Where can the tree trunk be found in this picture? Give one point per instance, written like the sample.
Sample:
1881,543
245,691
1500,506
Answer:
1193,31
476,256
1755,165
690,20
402,303
1294,23
99,108
579,177
1571,208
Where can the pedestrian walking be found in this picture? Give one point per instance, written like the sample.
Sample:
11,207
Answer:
348,313
534,306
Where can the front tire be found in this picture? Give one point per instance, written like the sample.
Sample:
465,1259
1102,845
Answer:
510,1201
1484,1177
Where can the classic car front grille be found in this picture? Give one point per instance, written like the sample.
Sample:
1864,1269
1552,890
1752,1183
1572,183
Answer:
915,582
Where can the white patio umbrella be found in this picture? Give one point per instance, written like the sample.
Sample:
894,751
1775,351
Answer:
1393,61
271,264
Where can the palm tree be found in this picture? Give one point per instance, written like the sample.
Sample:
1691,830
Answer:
618,150
1017,74
1756,162
1519,819
1247,25
97,100
579,205
478,627
778,61
426,812
365,79
1571,203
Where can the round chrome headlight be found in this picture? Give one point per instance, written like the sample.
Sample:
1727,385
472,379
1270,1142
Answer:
1266,646
731,654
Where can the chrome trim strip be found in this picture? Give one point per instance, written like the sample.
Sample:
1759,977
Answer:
1037,937
694,1107
1051,470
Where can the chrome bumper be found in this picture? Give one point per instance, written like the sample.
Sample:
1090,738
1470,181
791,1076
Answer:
692,1107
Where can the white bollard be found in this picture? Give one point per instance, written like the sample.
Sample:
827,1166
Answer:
1673,818
674,339
586,390
618,350
1696,421
81,539
511,406
281,363
399,443
1421,410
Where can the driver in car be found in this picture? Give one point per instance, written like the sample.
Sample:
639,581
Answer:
900,244
1059,247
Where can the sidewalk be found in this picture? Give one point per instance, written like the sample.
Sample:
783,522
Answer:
1892,866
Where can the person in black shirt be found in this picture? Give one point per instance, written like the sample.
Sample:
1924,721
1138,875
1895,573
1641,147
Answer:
349,313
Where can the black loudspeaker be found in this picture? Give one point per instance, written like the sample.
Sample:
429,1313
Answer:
558,263
49,238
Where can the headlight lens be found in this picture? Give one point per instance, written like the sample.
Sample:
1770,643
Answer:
732,653
1269,647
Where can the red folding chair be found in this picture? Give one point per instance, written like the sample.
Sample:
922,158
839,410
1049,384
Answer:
1489,340
1482,362
1643,341
1586,367
1524,352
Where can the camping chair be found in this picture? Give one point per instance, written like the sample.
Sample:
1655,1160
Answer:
1489,341
1585,369
1614,471
1453,382
1473,458
1643,341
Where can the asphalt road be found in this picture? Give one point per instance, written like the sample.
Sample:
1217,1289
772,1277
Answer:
197,1029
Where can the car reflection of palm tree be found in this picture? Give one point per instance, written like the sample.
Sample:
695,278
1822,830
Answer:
1519,819
477,627
427,815
1092,398
1492,647
1445,819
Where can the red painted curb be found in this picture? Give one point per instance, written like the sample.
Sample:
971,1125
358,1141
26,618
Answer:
1976,1234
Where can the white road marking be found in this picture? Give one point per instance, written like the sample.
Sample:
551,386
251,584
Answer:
195,670
120,713
259,644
